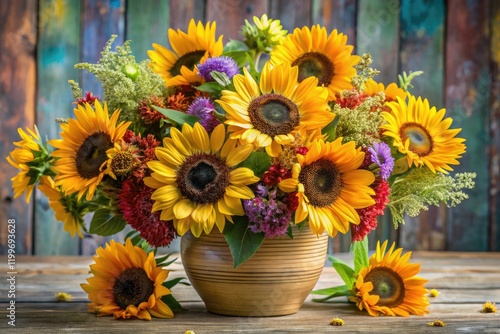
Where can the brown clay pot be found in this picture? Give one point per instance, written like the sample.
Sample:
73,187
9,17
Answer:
274,281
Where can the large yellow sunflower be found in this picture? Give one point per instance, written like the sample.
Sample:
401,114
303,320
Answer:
330,186
82,149
389,285
196,183
178,67
269,114
20,157
326,57
59,204
423,135
127,283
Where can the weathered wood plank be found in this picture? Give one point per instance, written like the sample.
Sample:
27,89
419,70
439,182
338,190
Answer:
230,15
181,12
494,186
422,48
18,20
467,101
58,51
377,33
147,23
337,14
292,13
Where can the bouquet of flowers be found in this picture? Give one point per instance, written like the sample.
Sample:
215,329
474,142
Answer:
253,136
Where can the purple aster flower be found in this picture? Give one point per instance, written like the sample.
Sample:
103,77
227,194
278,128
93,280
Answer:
381,155
268,216
221,64
204,109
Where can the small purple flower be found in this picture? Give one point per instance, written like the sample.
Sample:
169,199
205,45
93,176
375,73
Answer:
268,216
204,109
381,155
221,64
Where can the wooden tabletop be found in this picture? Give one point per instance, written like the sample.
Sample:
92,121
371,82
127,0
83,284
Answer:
465,280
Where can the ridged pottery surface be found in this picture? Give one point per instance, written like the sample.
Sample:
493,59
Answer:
275,281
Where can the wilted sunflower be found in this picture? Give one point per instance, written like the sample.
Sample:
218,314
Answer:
423,135
127,283
269,114
20,158
317,54
178,67
196,183
65,210
82,149
330,186
389,285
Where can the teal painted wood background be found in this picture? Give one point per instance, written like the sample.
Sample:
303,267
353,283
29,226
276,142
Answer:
455,42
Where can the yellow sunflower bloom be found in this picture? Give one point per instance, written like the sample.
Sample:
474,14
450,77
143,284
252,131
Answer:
317,54
196,183
271,113
57,202
127,283
389,285
330,186
20,157
392,91
178,67
423,135
82,149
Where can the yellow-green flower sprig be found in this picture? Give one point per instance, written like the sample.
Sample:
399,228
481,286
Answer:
365,72
263,35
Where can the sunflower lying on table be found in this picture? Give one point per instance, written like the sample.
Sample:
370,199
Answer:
204,132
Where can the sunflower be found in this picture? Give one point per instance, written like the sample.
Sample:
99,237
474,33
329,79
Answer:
423,135
196,183
269,114
392,91
178,67
127,283
389,285
82,149
65,211
20,158
330,186
317,54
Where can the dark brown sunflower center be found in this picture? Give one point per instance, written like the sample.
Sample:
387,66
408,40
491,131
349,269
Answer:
122,163
132,287
322,182
388,285
92,153
273,114
315,64
189,60
420,140
203,178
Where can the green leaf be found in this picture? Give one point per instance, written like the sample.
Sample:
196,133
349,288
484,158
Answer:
211,87
172,303
104,223
331,130
234,45
360,249
239,56
173,282
221,78
242,242
259,162
330,293
345,272
177,116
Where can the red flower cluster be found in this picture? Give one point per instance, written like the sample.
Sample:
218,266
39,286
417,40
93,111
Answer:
275,174
351,101
89,98
368,216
